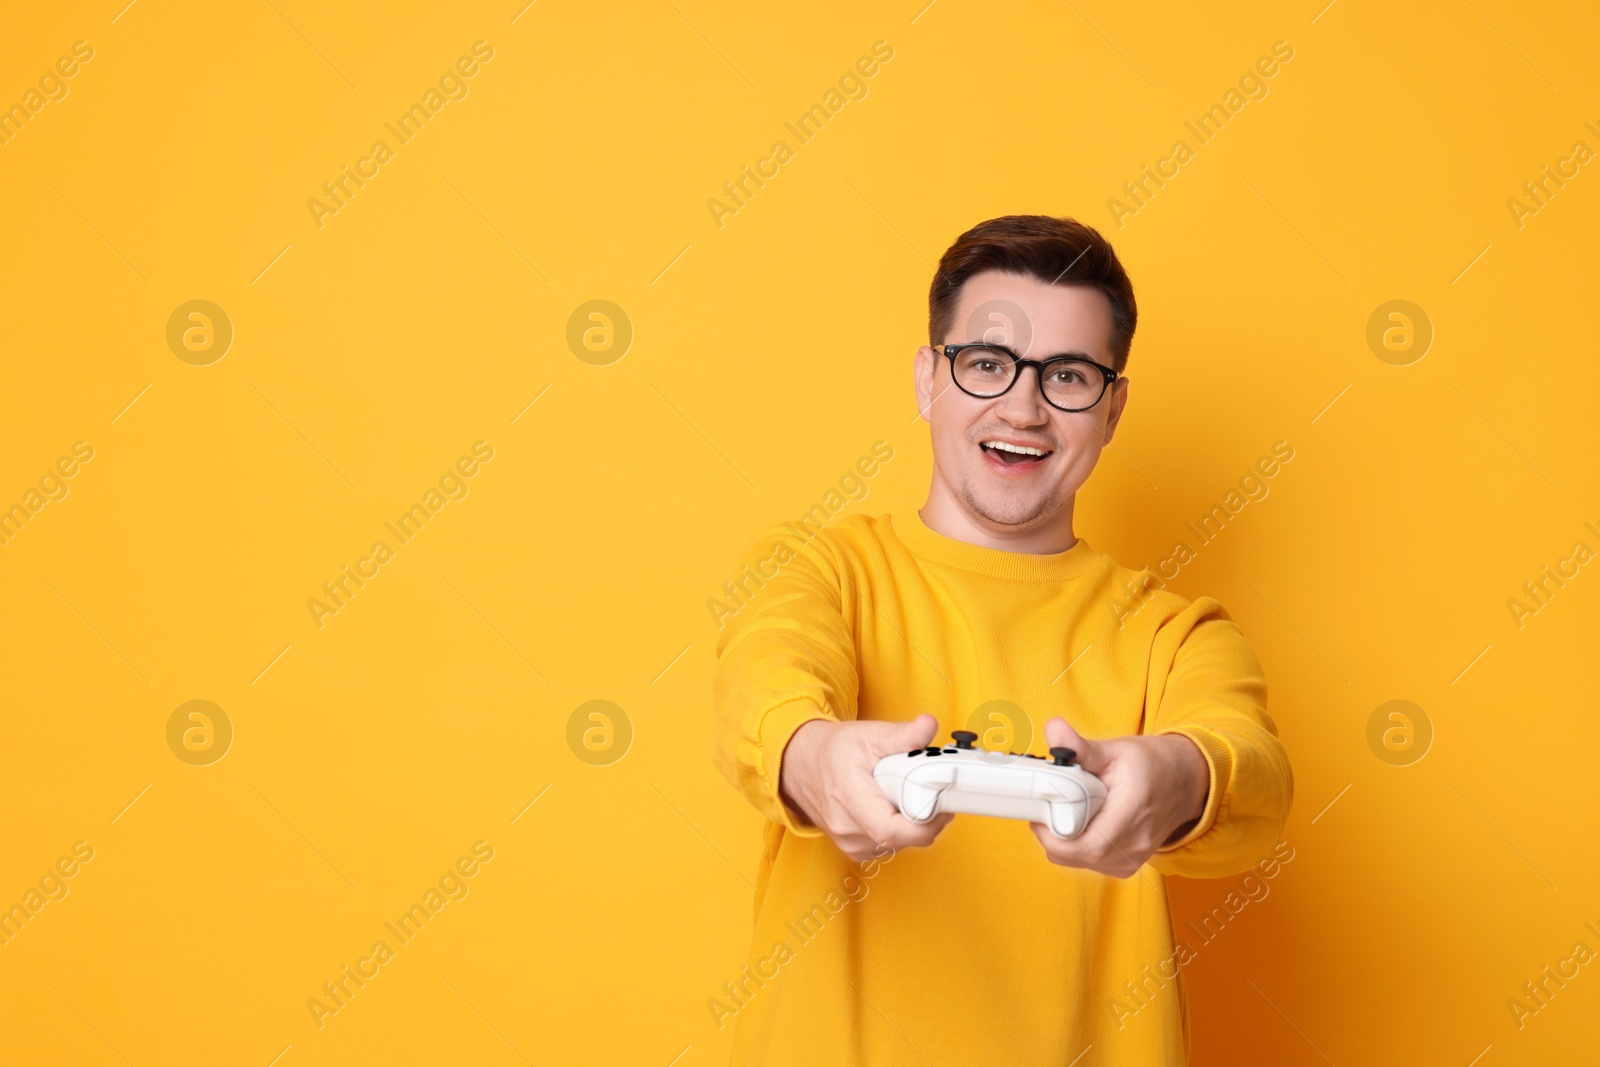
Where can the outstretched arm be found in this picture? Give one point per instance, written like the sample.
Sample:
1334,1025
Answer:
784,694
1205,789
784,658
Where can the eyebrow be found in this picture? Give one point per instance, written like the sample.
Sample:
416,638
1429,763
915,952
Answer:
1061,355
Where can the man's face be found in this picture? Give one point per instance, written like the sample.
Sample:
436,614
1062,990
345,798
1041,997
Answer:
1037,321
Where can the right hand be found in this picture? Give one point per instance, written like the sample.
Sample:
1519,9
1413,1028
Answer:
826,776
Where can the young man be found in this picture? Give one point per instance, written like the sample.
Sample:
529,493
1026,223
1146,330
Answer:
972,940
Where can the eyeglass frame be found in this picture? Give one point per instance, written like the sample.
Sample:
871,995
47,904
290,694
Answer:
1108,376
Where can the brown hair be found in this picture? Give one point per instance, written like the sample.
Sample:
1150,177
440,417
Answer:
1056,251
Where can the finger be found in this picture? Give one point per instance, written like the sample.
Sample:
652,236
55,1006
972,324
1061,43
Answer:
904,736
1123,804
1052,846
1064,853
1104,840
857,847
887,826
862,845
876,817
1111,832
1058,733
863,798
907,834
1099,856
1117,851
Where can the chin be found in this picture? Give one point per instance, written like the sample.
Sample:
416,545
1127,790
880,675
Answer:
1006,510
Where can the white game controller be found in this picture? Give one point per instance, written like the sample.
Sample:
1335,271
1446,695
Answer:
971,781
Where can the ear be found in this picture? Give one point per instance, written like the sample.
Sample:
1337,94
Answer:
1119,400
923,371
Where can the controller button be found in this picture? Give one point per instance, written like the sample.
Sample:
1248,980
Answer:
915,752
1062,757
964,738
935,752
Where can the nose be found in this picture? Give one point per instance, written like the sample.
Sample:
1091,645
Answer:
1023,404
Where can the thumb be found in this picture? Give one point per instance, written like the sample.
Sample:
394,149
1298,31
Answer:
1058,733
905,736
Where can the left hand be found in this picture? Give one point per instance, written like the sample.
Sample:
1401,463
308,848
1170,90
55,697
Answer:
1155,785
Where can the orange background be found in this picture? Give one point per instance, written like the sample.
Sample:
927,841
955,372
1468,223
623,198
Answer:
431,711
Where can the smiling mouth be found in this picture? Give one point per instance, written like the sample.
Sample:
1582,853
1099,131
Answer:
1012,455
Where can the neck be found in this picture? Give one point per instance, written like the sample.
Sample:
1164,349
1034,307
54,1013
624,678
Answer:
945,514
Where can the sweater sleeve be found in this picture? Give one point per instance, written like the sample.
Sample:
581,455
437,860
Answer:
1208,685
785,656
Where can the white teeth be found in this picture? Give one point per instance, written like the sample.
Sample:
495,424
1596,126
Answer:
1021,450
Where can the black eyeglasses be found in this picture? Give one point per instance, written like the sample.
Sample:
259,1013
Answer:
1067,383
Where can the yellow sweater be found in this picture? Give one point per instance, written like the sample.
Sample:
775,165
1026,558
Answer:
977,950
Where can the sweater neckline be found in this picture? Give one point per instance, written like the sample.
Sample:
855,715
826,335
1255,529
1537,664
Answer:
935,547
